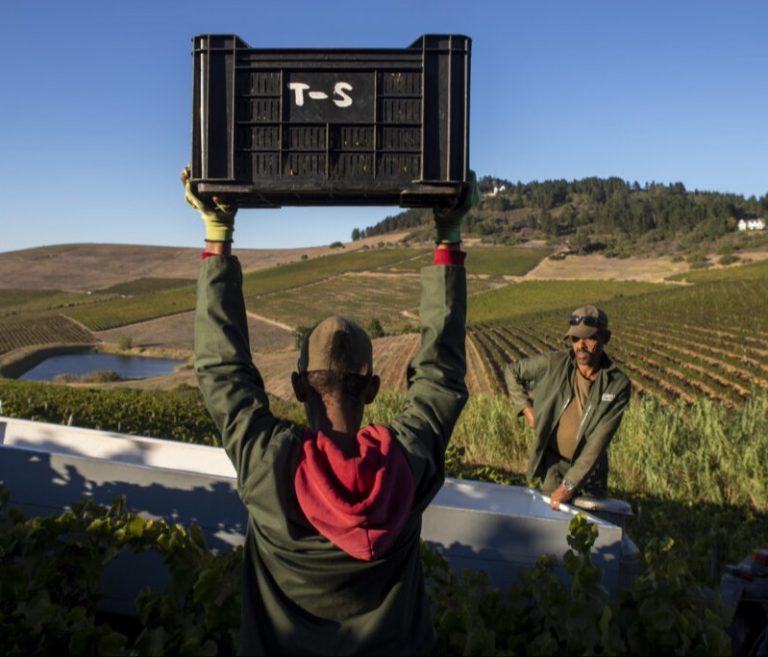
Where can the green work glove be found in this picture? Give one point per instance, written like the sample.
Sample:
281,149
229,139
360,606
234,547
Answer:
219,218
448,220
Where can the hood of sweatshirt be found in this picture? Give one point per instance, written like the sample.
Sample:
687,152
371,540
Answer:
358,503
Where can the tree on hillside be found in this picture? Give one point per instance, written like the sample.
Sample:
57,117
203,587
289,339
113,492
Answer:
616,209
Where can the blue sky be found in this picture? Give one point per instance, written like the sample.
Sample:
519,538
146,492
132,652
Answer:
95,108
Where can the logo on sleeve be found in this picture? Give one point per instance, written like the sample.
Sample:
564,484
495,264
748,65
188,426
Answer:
608,397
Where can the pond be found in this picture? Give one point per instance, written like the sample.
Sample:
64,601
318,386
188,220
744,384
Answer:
126,367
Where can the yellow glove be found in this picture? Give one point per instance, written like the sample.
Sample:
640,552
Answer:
448,220
219,218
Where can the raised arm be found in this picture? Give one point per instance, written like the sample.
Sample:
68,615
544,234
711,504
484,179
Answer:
437,390
231,386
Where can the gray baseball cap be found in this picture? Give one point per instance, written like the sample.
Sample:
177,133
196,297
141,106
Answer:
586,321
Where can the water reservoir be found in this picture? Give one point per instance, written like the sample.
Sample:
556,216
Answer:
127,367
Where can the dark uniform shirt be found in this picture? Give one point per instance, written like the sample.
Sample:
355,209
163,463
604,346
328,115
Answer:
311,585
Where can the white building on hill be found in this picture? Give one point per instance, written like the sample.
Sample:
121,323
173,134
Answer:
751,224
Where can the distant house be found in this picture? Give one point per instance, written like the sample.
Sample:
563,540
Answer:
497,189
751,224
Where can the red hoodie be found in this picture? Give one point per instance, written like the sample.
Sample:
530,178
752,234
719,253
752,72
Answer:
358,503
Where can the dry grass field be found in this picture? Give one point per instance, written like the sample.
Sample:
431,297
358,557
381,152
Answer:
597,267
78,268
176,332
88,267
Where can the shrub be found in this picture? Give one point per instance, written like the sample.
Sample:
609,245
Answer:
374,328
298,334
697,258
701,265
666,613
99,376
124,342
51,575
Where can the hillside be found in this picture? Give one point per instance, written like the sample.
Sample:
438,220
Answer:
610,216
89,267
143,297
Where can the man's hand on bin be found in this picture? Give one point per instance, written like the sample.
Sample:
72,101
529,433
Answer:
559,496
448,220
219,217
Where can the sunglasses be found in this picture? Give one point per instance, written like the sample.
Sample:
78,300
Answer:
587,320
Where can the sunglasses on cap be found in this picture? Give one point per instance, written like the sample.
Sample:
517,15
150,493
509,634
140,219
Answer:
587,320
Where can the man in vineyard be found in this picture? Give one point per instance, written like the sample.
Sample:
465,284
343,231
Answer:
573,400
332,553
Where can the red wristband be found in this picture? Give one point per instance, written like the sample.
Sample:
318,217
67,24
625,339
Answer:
449,257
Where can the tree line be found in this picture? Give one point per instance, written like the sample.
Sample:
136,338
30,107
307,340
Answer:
604,206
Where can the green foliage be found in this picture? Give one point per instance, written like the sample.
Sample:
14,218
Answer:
41,329
199,613
309,272
755,270
51,574
538,296
146,299
504,260
544,614
610,206
677,342
358,297
130,309
411,218
698,260
669,612
298,333
686,470
17,302
306,286
98,376
49,588
147,285
124,342
174,415
704,453
490,260
695,474
374,328
730,299
728,259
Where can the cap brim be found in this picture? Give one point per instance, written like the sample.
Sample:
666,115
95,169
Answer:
581,331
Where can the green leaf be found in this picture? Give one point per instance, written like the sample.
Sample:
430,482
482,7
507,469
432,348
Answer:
135,528
112,644
207,585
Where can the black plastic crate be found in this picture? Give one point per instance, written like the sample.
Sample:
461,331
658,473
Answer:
278,127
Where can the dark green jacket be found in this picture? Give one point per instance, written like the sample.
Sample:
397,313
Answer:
550,379
301,593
